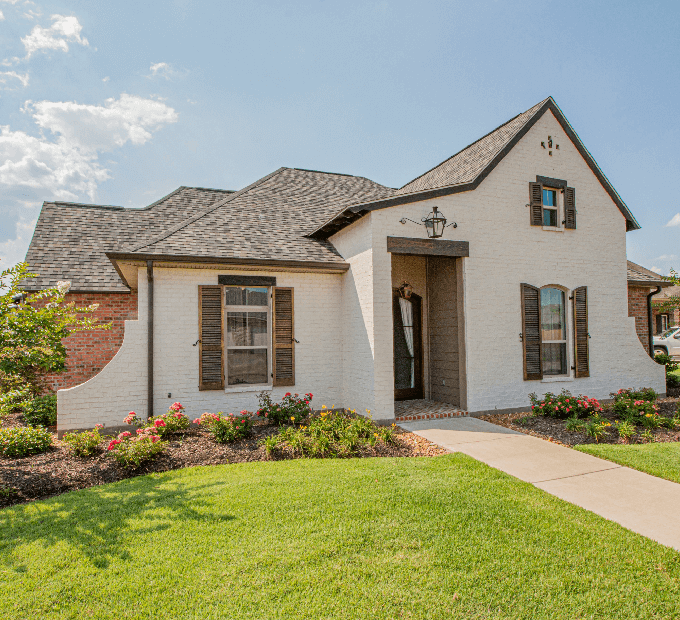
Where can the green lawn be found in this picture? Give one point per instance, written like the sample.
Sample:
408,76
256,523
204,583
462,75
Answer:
444,537
657,459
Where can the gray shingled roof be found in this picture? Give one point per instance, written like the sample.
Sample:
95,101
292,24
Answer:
637,274
70,239
464,166
267,220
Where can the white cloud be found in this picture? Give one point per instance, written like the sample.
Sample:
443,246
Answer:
106,79
14,250
6,75
666,257
1,16
675,220
91,128
64,30
69,166
165,70
31,14
656,270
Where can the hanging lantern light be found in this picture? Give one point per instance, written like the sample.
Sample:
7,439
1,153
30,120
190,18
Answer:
405,290
434,223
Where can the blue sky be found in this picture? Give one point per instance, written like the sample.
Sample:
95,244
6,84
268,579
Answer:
122,102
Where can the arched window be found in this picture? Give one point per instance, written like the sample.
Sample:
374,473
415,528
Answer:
553,331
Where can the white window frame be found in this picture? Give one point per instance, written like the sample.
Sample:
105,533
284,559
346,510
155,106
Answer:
559,200
568,376
247,387
664,323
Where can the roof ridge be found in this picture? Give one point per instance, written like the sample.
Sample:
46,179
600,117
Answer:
209,189
82,205
198,216
537,105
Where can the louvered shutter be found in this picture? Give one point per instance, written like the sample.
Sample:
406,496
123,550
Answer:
211,343
581,362
569,207
536,203
283,363
531,332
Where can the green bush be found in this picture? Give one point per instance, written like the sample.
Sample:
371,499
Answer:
646,394
226,428
574,425
330,434
596,427
132,451
24,440
637,411
564,405
11,399
292,408
626,430
41,411
672,380
85,443
174,421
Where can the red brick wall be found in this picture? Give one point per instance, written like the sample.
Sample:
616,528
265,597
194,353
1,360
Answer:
88,352
637,307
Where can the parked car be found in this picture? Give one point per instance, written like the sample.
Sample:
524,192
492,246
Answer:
668,342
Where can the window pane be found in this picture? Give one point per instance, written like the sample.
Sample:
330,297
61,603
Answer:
247,329
245,296
554,359
246,366
549,217
553,324
549,198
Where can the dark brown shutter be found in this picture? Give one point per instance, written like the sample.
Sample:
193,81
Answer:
536,203
211,342
580,298
283,364
531,332
569,207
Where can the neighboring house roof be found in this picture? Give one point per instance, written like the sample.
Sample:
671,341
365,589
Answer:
70,239
465,170
266,221
640,276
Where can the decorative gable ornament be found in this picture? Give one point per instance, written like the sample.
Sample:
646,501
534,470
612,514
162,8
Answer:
434,223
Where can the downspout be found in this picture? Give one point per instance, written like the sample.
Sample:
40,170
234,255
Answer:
650,322
149,331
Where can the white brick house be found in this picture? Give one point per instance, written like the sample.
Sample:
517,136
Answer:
293,284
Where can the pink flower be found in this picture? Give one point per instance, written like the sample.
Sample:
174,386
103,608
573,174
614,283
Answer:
159,423
113,444
140,431
287,394
124,434
99,426
154,438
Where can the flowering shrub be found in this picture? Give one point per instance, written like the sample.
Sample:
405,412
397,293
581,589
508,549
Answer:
24,440
331,434
626,430
292,408
85,443
40,411
226,428
564,405
647,394
637,411
133,450
173,421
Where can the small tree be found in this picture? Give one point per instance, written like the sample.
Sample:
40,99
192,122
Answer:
33,327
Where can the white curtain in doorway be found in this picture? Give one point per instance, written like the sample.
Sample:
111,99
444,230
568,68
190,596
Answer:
407,320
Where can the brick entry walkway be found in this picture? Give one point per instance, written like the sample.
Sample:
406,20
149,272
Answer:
409,410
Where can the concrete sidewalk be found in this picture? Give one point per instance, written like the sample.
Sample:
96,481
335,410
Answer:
642,503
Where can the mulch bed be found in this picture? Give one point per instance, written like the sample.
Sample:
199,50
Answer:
58,471
553,429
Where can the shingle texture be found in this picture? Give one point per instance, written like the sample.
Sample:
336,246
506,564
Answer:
268,220
638,273
464,166
70,239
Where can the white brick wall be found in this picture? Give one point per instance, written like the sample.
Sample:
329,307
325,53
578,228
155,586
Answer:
122,384
506,251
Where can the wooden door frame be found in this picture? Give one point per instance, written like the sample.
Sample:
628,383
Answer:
416,392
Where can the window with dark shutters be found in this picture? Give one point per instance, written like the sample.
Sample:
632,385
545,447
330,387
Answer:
580,299
569,207
211,338
536,203
531,332
283,363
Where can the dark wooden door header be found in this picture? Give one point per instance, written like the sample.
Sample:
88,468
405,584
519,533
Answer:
427,247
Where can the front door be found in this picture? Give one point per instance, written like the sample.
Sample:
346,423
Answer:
408,347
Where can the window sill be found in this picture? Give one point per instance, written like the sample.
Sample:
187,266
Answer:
248,388
557,379
553,228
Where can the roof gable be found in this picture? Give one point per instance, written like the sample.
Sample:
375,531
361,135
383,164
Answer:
465,170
